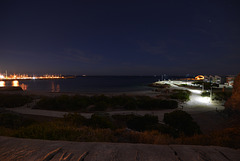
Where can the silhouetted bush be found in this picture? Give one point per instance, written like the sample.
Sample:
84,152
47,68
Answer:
220,96
74,127
14,121
75,119
14,100
182,95
101,121
182,121
157,85
205,94
102,103
142,123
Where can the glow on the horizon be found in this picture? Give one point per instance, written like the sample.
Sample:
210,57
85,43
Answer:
25,76
2,84
15,83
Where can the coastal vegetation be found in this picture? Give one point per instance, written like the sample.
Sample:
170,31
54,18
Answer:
182,95
159,85
182,122
222,95
14,100
103,103
205,94
102,127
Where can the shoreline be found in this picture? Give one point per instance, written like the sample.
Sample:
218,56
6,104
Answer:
149,93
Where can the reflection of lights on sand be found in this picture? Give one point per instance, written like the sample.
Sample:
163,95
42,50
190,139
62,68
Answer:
195,91
15,83
2,84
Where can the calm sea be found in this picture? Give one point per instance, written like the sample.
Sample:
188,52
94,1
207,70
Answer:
92,84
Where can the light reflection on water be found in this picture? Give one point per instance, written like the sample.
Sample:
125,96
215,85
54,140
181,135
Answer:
91,84
55,87
2,84
15,83
23,86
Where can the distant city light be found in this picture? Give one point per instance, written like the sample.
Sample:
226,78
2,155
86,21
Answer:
25,76
199,77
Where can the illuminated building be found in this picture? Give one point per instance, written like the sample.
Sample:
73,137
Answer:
230,80
199,77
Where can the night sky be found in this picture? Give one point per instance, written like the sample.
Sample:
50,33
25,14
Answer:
175,37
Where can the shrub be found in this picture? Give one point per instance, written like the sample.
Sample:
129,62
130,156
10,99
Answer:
64,103
182,95
102,103
75,119
73,128
14,121
148,103
14,100
101,121
220,96
142,123
182,121
205,94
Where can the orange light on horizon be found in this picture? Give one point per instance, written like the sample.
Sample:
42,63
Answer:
199,77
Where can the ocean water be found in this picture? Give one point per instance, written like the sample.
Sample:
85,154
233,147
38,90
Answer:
91,84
